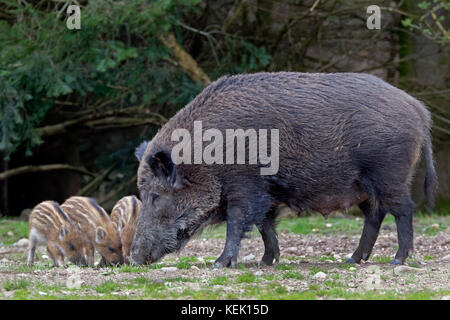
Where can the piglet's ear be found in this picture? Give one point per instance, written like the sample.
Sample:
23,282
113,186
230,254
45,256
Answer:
63,232
141,150
100,234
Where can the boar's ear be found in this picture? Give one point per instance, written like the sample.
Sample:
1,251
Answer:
141,150
100,234
163,167
63,232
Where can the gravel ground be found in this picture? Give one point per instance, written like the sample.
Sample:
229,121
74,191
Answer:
314,259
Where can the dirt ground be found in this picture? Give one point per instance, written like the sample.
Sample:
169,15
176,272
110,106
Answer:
309,263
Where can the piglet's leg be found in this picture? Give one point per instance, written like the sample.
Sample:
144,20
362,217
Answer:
31,250
53,253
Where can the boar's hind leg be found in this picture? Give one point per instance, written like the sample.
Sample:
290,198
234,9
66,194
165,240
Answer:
269,235
403,213
373,217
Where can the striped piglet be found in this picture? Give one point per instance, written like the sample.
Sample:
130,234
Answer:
50,225
124,216
97,225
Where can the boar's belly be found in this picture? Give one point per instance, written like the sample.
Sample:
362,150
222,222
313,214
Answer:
325,204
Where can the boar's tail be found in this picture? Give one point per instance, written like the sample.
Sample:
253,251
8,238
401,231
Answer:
430,184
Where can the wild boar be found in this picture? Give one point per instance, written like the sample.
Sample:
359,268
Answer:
98,229
48,224
124,215
344,139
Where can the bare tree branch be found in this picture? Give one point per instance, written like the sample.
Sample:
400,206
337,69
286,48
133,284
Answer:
43,168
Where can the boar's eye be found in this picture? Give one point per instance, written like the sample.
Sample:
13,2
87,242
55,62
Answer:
71,247
154,197
111,250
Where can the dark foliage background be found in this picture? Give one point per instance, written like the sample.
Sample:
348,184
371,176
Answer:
75,103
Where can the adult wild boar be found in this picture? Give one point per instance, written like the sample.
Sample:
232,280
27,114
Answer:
344,139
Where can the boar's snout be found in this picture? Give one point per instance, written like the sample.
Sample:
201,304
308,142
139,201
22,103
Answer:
141,249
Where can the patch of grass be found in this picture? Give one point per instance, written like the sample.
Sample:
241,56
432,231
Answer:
130,268
220,280
270,277
21,294
315,269
306,225
293,275
107,287
182,279
246,278
186,262
57,287
345,265
325,258
18,228
284,266
382,259
15,284
429,257
155,266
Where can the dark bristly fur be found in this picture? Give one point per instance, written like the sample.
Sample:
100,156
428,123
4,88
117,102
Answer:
345,139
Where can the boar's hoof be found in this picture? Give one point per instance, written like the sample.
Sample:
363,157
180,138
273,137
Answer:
395,262
266,262
351,260
223,262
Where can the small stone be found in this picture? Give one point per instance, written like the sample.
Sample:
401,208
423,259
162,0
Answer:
10,234
435,225
45,257
21,243
319,275
446,258
74,281
404,269
249,257
328,225
315,230
352,269
291,250
195,268
169,269
41,293
445,298
373,282
258,273
373,269
309,250
336,256
201,260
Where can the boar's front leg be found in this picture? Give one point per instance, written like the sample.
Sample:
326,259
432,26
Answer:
235,231
269,235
